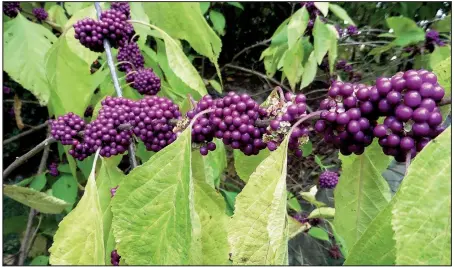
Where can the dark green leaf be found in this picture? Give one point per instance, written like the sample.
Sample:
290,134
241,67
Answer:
39,182
236,4
40,260
218,21
229,200
340,13
307,148
310,69
318,233
65,188
204,6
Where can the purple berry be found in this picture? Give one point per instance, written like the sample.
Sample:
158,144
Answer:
328,179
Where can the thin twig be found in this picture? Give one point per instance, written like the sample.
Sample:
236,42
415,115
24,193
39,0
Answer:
264,42
407,162
23,101
258,74
34,129
22,159
29,237
113,73
50,23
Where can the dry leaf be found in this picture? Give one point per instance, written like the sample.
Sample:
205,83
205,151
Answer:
17,110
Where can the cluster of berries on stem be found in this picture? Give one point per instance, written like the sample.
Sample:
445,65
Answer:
40,13
11,9
53,169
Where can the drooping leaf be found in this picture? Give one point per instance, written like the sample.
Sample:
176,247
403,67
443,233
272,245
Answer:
322,40
215,85
280,35
210,167
39,182
323,212
229,198
236,4
184,20
79,238
69,79
293,202
319,233
293,69
154,203
361,193
109,176
138,13
25,45
258,232
332,51
297,26
323,7
246,165
57,15
65,188
218,21
210,207
405,30
310,70
340,13
421,215
34,199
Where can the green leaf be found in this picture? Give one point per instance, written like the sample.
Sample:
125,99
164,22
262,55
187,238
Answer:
332,51
109,176
293,202
184,20
339,240
138,13
25,182
341,13
295,227
143,153
402,25
64,168
318,233
73,7
258,232
280,35
443,72
74,45
204,6
297,26
310,70
155,202
34,199
323,7
65,69
210,208
79,238
40,260
218,21
14,224
324,212
381,49
310,197
181,66
438,55
443,25
215,85
322,40
39,182
422,224
293,69
57,15
25,45
65,188
376,245
210,167
307,148
361,193
236,4
408,38
229,198
246,165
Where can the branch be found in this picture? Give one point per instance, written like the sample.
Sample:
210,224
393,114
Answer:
264,42
29,237
407,162
258,74
21,160
113,73
23,101
34,129
444,102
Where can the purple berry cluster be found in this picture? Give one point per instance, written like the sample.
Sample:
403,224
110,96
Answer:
328,179
232,120
115,258
11,9
6,90
40,13
351,30
145,81
130,53
151,120
335,252
66,128
348,117
343,65
53,169
433,37
90,34
408,100
293,108
313,13
302,218
122,7
115,27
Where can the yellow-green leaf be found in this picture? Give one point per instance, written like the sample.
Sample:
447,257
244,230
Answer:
79,238
310,197
340,13
323,7
246,165
421,216
258,232
25,45
293,68
297,26
322,40
323,212
310,69
361,193
210,167
34,199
